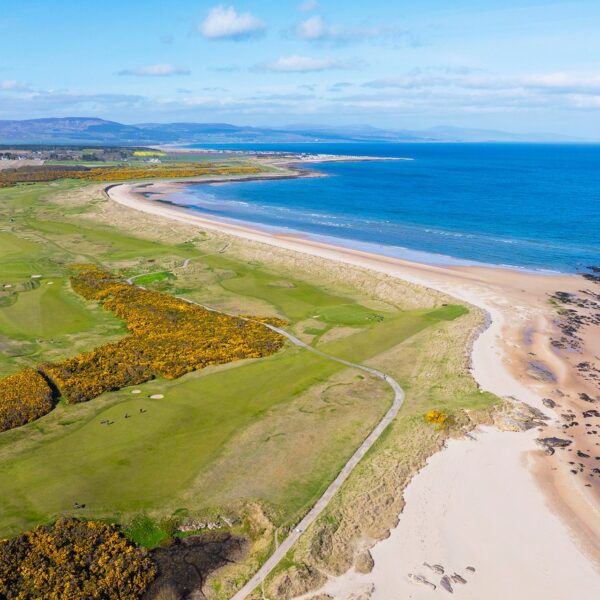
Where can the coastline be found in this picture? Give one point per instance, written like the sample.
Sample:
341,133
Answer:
515,302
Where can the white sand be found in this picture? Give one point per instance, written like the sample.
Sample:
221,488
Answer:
475,505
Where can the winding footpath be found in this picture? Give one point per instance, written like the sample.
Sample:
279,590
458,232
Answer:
283,548
335,485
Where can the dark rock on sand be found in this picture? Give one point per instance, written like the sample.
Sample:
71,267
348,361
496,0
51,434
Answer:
550,443
591,413
541,371
439,569
421,579
549,402
446,584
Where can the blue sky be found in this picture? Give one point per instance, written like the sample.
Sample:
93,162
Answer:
524,66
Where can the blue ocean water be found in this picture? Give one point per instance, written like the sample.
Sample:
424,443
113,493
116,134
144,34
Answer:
525,206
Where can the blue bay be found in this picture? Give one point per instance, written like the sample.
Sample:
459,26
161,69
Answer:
520,205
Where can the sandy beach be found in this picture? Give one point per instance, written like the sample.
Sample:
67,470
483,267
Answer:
500,504
487,489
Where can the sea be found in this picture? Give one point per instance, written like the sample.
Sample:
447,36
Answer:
523,206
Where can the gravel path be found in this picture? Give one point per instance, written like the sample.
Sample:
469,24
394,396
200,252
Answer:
335,485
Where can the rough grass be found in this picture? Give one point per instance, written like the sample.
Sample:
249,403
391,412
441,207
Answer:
170,456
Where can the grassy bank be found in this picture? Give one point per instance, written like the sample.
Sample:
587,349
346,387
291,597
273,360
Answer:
159,460
271,432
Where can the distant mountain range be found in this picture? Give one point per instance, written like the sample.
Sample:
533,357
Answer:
83,130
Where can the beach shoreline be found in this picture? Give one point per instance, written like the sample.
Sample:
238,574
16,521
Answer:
516,302
167,192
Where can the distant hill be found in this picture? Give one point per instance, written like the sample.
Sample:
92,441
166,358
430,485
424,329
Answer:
67,130
89,130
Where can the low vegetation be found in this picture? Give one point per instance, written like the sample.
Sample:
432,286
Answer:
9,177
74,560
440,419
169,337
24,397
220,440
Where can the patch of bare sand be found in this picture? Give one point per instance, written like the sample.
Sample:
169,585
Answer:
475,486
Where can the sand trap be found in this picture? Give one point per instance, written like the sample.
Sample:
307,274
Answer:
157,397
35,276
470,492
136,391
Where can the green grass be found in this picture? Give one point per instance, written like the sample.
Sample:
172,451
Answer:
163,459
348,314
154,277
13,246
147,532
19,258
45,311
299,301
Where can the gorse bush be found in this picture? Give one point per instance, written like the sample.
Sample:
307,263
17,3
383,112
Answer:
73,560
435,417
24,397
51,173
169,337
108,368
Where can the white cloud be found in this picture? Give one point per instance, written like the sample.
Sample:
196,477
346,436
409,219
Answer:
10,84
160,70
44,103
564,83
303,64
540,83
309,5
225,23
315,28
585,102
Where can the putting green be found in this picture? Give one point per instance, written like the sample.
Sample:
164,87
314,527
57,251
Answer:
48,310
